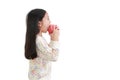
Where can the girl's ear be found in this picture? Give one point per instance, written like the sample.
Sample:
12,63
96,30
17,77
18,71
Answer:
39,24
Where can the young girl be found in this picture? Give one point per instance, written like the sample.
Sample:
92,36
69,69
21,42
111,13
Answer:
37,50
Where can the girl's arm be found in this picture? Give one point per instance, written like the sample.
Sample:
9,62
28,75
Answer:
48,52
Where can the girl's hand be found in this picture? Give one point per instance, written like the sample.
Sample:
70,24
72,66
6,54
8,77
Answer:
55,35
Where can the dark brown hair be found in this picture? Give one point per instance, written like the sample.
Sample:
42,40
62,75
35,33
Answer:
32,19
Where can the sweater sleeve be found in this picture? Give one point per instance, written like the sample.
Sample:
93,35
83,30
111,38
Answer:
48,51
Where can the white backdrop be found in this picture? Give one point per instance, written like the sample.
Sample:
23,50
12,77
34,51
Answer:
89,38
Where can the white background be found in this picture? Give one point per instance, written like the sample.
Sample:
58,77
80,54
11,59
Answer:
89,38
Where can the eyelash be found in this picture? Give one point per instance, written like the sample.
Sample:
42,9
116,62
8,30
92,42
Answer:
48,19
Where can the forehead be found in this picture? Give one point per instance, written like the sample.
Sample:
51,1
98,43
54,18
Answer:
46,15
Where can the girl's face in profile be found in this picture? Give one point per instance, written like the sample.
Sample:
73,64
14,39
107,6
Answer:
44,24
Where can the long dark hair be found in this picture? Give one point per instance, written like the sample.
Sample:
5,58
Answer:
32,19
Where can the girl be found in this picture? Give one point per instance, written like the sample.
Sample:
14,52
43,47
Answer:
37,50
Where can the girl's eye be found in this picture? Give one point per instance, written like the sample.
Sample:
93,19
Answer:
48,18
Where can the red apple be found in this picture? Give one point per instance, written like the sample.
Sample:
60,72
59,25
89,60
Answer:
51,28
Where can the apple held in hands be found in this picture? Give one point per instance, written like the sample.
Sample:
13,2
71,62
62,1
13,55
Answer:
51,28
